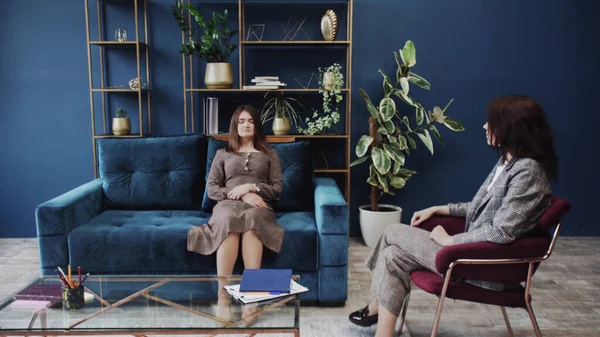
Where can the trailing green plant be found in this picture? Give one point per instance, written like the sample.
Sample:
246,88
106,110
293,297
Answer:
121,113
215,43
280,106
329,116
390,137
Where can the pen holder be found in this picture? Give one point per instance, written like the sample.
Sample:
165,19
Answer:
73,298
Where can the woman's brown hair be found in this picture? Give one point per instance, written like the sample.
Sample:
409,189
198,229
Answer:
519,126
260,142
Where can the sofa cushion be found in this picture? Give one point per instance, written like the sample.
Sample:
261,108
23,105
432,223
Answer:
155,242
153,173
297,167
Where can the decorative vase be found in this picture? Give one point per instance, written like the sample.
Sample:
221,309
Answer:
329,25
328,80
218,75
121,126
281,126
372,224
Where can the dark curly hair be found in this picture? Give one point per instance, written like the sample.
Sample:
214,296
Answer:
518,125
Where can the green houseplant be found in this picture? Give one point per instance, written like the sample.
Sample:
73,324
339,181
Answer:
121,125
214,46
281,110
331,82
391,136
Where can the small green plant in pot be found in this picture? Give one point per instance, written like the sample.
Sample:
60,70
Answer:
281,110
121,125
391,138
214,46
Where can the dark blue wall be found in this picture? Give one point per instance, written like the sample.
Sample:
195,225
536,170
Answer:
472,51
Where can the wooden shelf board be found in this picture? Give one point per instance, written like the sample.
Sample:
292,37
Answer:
295,43
118,90
110,135
117,43
253,90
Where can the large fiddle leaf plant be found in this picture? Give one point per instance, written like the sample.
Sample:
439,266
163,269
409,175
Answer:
215,43
391,135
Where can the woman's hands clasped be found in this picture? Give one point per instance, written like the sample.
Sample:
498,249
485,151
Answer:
254,200
239,191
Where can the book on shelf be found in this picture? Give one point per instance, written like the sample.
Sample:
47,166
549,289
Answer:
210,116
265,82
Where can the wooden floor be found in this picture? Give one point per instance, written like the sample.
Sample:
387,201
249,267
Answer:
566,293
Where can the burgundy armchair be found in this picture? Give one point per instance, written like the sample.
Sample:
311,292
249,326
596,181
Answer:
515,262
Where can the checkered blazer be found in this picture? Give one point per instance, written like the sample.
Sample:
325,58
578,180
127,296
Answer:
512,207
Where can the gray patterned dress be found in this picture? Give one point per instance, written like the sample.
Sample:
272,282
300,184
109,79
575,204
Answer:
229,170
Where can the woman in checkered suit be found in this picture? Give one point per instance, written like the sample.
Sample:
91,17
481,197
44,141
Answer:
509,204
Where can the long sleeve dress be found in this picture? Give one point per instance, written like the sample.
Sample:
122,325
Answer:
229,170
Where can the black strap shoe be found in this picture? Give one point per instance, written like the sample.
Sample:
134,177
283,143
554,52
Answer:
361,317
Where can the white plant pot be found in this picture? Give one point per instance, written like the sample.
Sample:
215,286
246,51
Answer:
372,223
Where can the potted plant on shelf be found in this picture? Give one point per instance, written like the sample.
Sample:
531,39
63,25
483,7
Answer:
120,124
390,139
281,110
331,82
214,46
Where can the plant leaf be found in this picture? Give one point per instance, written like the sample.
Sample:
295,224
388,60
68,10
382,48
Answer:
394,153
404,173
372,181
383,131
390,126
453,124
397,182
438,114
404,97
396,168
383,183
388,88
406,122
404,84
381,161
426,138
392,139
402,142
411,142
436,133
447,105
360,161
419,116
363,145
398,60
387,108
370,105
408,54
419,81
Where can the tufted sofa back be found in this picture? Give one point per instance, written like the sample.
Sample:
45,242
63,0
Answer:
160,173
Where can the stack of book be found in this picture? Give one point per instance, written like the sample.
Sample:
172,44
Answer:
265,82
265,284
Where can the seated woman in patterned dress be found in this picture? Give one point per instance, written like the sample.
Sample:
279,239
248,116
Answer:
508,205
245,179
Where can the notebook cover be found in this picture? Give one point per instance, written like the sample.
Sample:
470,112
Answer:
40,292
266,280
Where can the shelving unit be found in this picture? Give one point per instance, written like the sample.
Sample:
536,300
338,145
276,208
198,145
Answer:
140,44
189,90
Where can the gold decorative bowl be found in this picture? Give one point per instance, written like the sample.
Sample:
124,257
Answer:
329,25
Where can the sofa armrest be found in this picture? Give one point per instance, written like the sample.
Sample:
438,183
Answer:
56,218
331,209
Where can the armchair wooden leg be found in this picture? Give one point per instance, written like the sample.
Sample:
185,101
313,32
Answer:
508,327
403,313
440,306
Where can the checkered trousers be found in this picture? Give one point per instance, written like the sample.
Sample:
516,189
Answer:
400,250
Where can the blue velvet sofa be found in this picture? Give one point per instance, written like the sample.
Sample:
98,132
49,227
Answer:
135,217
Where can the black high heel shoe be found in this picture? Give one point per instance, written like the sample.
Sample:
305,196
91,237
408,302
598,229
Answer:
361,317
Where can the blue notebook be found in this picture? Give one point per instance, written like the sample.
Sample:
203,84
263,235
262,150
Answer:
266,280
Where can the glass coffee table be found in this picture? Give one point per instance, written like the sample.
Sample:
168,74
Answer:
154,305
